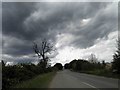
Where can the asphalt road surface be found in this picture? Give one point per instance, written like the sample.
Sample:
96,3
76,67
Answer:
69,79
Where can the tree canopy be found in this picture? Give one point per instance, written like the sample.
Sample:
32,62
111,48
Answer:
116,58
42,51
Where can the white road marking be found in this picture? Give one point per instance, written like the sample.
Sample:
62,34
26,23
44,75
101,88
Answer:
90,85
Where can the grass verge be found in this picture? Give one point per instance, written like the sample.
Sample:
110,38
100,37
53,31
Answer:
104,73
41,81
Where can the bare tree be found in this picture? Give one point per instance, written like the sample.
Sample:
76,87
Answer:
43,50
93,59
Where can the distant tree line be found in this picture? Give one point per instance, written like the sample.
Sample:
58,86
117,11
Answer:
93,64
58,66
83,65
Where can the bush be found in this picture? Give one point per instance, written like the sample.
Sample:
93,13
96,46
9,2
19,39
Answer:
58,66
20,72
66,66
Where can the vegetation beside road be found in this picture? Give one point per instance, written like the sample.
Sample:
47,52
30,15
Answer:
99,69
93,66
27,75
15,74
104,72
41,81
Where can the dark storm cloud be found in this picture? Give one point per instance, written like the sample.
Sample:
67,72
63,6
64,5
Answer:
103,24
24,23
56,16
16,47
13,16
100,26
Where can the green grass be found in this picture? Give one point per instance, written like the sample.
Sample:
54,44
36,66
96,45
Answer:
103,72
41,81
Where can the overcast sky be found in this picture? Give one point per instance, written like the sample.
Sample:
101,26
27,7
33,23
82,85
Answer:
76,29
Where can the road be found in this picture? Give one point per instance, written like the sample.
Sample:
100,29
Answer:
69,79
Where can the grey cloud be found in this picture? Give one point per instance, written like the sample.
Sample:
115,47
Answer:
13,15
16,47
16,60
100,26
19,21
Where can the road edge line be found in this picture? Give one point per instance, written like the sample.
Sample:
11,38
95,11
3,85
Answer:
90,85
